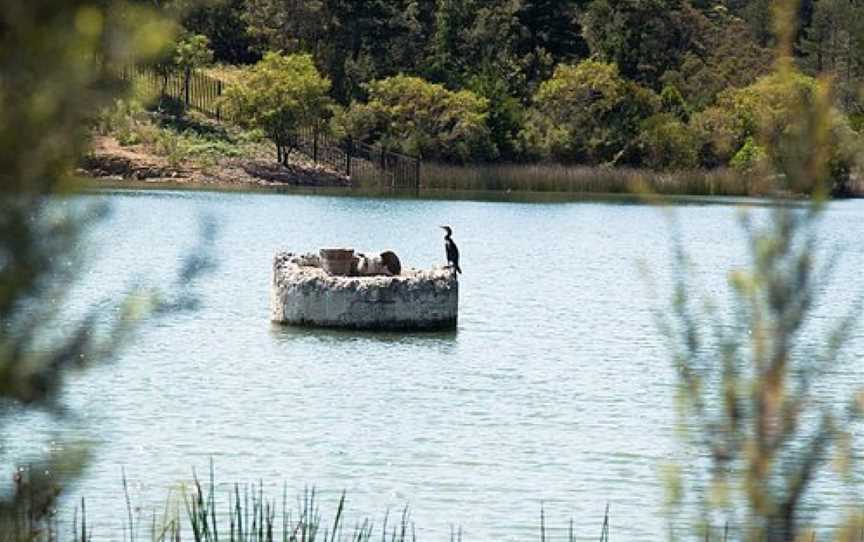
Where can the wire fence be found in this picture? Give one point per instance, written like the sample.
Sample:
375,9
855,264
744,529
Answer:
364,164
196,90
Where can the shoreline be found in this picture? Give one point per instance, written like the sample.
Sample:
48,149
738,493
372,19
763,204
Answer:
435,194
111,166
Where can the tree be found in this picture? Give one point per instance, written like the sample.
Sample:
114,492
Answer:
757,14
551,34
587,113
832,46
422,118
190,53
665,142
280,95
291,26
351,41
734,59
505,112
644,38
768,110
447,59
222,22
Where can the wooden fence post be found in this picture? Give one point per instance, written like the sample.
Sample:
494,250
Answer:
315,144
348,152
187,75
218,101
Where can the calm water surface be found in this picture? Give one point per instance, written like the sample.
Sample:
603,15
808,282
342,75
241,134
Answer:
555,389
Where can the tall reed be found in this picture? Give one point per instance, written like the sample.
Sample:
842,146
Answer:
584,179
248,515
251,516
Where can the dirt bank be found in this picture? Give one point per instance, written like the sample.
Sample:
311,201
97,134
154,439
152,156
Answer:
109,160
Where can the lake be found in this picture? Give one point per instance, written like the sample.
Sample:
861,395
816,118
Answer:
555,389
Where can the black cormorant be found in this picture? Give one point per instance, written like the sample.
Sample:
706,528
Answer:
450,247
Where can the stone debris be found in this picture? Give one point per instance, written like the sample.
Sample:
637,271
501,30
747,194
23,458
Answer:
302,293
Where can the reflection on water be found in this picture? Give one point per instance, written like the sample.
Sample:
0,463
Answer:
430,339
555,388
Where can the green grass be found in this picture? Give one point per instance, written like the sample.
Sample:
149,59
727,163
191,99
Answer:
167,129
583,179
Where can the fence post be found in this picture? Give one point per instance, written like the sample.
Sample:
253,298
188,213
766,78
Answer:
417,173
218,101
348,152
187,75
315,144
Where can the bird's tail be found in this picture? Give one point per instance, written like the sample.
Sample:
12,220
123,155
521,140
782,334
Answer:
458,270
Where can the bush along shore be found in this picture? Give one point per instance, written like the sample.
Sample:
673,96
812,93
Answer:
167,143
180,140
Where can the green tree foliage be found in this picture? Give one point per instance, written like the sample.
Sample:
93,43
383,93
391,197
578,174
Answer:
666,143
767,111
691,51
223,24
550,34
749,156
645,38
587,113
673,103
733,60
352,41
506,113
421,118
834,45
58,60
280,95
290,26
193,51
757,14
452,17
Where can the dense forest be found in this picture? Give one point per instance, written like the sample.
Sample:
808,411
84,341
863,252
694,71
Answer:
662,84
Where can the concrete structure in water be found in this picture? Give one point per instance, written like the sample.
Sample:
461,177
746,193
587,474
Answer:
303,293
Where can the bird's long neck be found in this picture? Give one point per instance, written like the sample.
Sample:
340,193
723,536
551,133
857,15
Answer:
447,236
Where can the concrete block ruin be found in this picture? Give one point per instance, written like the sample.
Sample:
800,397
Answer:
302,293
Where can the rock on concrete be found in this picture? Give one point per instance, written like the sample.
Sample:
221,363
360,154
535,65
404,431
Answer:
304,294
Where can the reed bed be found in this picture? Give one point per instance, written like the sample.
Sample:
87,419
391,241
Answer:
243,513
247,514
584,179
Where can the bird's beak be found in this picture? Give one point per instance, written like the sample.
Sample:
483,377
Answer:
442,227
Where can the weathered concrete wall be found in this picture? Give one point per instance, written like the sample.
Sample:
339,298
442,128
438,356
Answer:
304,294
